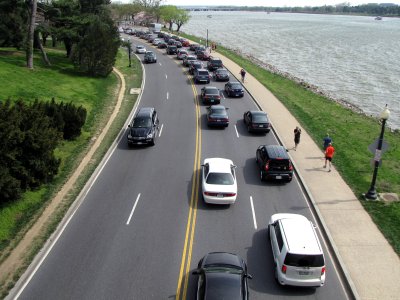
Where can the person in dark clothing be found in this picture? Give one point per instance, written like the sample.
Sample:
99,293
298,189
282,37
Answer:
297,133
327,140
243,74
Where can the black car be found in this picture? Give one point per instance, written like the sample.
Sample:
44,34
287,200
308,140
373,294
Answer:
201,75
221,74
210,94
162,45
217,115
178,44
234,89
257,121
144,127
194,65
150,57
222,275
214,63
172,49
274,163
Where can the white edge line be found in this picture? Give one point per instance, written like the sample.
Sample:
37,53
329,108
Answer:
237,133
162,126
133,209
82,198
160,64
167,95
254,215
166,76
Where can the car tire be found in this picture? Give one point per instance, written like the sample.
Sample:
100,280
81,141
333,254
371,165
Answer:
152,143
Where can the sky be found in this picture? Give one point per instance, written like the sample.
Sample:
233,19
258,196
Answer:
273,3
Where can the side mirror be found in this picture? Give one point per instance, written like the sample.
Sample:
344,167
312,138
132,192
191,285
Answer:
196,272
249,276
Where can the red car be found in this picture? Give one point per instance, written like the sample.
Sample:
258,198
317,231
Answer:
185,43
203,55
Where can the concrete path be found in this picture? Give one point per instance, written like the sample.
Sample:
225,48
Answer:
369,262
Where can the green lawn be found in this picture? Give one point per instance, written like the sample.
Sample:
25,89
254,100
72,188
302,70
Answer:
351,133
60,81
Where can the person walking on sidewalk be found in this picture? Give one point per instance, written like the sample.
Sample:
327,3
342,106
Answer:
329,155
297,133
327,140
243,74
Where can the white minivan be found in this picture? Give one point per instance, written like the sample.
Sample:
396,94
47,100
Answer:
298,256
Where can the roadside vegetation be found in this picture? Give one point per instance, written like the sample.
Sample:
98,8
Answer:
351,132
98,96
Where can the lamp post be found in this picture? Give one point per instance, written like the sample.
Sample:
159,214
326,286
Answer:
371,194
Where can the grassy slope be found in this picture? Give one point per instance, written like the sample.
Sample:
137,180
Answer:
97,95
351,133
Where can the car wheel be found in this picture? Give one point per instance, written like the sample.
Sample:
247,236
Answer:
152,143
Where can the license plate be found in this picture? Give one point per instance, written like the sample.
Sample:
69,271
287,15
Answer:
304,273
236,94
139,143
261,126
218,120
278,177
212,100
220,195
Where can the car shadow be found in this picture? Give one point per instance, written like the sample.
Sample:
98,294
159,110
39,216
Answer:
260,265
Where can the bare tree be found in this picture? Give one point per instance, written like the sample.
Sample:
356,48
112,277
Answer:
30,38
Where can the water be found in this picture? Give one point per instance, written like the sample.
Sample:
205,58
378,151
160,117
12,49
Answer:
354,58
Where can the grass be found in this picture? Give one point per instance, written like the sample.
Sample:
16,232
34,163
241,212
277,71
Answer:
16,217
351,132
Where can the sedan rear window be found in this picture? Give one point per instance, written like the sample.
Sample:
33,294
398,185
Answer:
220,178
203,73
301,260
260,119
212,91
218,111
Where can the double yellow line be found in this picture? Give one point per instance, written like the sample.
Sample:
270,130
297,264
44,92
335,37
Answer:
184,272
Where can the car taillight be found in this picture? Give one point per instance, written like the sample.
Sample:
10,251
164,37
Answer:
229,194
266,166
284,268
225,119
323,270
210,194
290,166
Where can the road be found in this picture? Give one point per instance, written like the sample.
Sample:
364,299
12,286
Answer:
143,226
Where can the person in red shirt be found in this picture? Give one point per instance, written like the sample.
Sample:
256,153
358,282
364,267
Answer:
328,155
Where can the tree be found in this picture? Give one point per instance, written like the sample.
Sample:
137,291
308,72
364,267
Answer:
30,35
168,14
181,17
13,20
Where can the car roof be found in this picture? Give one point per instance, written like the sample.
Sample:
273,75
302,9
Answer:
277,151
219,165
210,88
300,236
199,70
258,112
139,46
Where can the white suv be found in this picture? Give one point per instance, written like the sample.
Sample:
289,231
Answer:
297,252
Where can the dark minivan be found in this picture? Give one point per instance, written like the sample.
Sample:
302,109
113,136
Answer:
144,127
274,163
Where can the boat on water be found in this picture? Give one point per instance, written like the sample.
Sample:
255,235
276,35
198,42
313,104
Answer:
378,18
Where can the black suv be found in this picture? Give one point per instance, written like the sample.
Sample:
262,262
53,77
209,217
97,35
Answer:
144,127
150,57
274,163
172,49
214,63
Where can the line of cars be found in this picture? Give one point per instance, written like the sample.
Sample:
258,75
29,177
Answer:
297,252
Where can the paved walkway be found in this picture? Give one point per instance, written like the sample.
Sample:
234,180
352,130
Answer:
369,262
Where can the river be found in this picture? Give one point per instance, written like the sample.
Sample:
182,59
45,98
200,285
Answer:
354,58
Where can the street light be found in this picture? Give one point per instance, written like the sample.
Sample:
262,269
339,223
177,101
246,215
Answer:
371,194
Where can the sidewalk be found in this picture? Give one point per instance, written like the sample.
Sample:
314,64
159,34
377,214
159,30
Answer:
369,262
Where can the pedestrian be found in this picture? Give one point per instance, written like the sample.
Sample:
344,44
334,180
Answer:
329,155
243,74
297,133
327,140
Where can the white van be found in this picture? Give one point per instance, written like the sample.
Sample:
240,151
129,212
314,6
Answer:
298,256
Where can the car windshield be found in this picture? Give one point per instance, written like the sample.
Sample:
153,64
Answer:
260,118
139,47
220,178
301,260
141,123
212,91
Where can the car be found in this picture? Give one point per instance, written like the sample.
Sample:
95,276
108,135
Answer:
181,54
144,127
234,89
171,42
296,250
201,75
194,65
203,55
140,49
198,49
211,95
178,44
171,49
257,121
150,57
192,47
274,163
214,63
218,181
185,43
162,45
222,275
156,42
221,74
217,115
151,38
187,59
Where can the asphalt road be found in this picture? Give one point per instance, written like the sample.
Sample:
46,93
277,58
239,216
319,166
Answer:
143,226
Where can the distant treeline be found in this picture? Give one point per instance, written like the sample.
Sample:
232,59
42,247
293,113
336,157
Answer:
372,9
